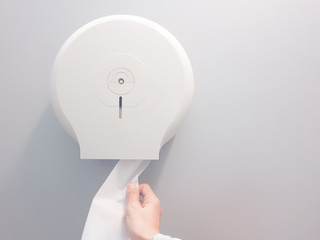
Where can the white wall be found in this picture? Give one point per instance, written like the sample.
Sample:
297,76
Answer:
245,164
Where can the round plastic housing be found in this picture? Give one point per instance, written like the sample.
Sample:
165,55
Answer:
121,85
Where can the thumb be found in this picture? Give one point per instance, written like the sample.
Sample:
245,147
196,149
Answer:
132,194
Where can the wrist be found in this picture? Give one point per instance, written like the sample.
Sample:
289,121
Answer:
149,235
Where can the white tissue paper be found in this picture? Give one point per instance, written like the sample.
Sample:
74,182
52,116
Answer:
106,220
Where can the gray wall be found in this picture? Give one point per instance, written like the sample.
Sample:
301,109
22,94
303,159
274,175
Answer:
245,163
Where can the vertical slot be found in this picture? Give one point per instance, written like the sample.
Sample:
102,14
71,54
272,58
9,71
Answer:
120,107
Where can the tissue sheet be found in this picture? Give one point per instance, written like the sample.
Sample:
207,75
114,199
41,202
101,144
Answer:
106,220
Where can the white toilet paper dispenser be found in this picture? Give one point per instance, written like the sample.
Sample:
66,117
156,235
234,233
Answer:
121,85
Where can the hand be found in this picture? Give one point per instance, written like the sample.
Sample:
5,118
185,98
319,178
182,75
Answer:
142,216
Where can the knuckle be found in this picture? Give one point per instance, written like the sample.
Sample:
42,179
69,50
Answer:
157,202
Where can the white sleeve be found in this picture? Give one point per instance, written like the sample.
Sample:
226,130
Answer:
163,237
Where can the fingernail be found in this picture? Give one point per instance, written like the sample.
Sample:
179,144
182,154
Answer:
131,185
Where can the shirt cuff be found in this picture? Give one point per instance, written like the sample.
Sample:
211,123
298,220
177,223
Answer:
163,237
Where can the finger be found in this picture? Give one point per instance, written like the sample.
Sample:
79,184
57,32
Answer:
147,194
133,194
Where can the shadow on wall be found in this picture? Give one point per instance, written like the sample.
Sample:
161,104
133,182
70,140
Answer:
54,188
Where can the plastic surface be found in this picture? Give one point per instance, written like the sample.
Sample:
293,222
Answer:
120,86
